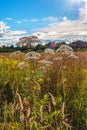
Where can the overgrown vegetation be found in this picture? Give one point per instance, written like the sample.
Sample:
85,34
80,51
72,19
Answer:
45,93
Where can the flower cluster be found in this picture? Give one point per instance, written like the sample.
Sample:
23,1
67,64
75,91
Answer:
45,62
49,51
32,56
59,58
65,49
15,54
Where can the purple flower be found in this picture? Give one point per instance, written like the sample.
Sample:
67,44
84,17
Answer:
53,44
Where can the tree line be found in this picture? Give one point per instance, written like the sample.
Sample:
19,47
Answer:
76,45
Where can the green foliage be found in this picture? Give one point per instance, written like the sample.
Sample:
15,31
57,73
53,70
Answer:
50,99
41,48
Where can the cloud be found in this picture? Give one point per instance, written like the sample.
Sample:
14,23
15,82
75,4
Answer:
3,27
8,18
45,19
67,29
61,28
31,20
50,19
19,22
8,36
34,20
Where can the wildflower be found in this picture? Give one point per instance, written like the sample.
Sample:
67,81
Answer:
49,51
64,48
21,65
32,56
48,65
42,68
15,54
27,78
53,44
67,53
57,58
40,80
66,120
45,62
33,53
73,56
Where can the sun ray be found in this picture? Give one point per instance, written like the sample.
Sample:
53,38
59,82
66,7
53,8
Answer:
73,2
76,3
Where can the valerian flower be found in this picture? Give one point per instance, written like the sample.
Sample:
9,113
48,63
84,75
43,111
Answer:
49,51
15,54
73,56
64,48
32,56
45,62
57,58
22,65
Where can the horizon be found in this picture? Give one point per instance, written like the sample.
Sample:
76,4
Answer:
48,19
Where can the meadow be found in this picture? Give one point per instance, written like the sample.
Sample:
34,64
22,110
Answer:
40,91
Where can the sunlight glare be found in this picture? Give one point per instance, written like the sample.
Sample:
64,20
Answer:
75,1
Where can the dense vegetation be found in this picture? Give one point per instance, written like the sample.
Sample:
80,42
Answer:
48,92
77,45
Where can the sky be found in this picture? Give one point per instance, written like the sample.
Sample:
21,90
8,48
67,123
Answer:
48,19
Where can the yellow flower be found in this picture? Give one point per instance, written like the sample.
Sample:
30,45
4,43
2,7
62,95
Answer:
40,80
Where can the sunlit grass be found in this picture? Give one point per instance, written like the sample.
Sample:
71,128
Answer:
43,94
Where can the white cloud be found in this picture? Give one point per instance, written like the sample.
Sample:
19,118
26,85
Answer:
67,29
8,18
7,36
17,32
50,19
58,28
19,22
34,20
3,27
31,20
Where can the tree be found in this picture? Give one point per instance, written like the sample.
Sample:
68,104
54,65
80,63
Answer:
30,42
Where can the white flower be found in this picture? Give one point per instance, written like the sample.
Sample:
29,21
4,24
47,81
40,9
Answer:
73,56
32,56
49,51
33,53
68,53
22,65
15,54
44,62
42,68
57,58
64,48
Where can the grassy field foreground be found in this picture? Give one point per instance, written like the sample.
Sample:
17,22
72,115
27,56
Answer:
43,92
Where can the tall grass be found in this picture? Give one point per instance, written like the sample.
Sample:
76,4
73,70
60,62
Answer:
43,95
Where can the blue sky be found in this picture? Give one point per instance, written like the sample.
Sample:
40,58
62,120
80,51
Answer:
51,19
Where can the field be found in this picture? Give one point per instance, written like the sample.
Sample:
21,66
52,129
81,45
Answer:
43,91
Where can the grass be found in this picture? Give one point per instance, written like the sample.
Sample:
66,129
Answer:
43,96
